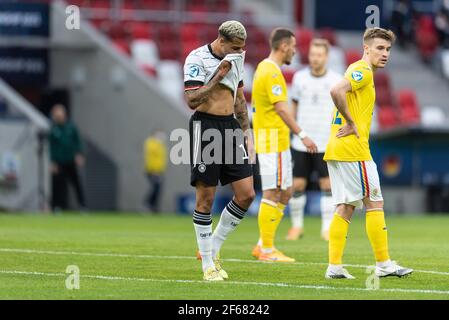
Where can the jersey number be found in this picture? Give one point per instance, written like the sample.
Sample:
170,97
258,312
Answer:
337,119
244,151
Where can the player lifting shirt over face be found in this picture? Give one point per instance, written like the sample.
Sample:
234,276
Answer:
213,82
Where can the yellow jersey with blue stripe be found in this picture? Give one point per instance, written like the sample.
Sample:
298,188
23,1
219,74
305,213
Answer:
269,87
360,101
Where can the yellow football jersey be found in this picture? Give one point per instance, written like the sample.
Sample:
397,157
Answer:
155,154
269,86
361,106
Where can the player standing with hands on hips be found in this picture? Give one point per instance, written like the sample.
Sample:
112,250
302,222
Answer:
352,171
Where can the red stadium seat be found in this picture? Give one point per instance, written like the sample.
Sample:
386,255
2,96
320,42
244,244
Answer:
387,117
409,107
79,3
149,70
169,51
382,79
426,37
209,33
329,35
288,75
384,96
129,5
140,30
100,4
155,4
352,55
303,37
166,32
189,32
410,115
122,45
188,46
407,97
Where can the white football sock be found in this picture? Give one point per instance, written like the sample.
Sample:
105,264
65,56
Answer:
230,218
384,264
327,211
297,204
203,229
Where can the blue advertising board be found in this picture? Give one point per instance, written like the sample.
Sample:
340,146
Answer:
412,157
24,19
24,66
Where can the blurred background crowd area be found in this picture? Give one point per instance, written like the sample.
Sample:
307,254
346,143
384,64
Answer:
120,76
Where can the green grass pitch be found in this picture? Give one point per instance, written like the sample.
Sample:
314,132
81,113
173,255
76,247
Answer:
130,256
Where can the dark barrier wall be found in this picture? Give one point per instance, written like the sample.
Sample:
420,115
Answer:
23,66
347,15
408,157
24,19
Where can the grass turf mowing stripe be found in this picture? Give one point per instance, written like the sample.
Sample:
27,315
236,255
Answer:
266,284
143,256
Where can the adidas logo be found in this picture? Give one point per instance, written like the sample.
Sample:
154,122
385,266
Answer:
204,235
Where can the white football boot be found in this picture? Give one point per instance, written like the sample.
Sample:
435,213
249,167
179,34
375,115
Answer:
337,272
392,269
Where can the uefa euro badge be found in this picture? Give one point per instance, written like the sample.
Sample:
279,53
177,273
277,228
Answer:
357,75
202,167
276,90
194,71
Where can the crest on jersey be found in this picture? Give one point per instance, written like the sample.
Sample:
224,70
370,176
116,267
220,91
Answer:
276,89
194,71
357,75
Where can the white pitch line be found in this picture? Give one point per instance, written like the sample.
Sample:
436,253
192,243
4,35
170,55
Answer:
243,283
145,256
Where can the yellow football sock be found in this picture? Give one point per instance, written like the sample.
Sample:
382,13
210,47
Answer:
337,239
377,234
269,218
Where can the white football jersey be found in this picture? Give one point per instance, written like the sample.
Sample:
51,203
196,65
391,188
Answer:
315,106
199,67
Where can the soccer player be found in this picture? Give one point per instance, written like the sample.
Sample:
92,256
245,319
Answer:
272,121
213,82
312,107
353,174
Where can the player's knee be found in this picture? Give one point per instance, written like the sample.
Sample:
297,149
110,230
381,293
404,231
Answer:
299,185
373,205
245,199
286,195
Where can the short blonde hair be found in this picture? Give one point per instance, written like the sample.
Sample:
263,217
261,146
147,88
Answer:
318,42
232,29
372,33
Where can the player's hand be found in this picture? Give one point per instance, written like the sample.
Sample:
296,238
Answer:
251,150
310,145
347,130
224,68
79,160
54,168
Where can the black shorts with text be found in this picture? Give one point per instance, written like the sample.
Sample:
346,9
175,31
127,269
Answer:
218,150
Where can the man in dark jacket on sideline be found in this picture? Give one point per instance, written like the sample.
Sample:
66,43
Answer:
66,157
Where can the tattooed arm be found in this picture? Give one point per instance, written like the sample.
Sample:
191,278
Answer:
241,113
195,98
